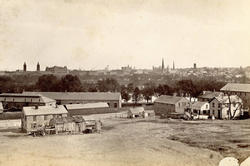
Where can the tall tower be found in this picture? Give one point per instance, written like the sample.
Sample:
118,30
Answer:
173,66
24,67
38,67
195,66
162,64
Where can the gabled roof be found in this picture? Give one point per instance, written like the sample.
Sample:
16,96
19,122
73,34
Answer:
86,106
44,110
236,87
136,110
209,94
102,96
198,104
169,99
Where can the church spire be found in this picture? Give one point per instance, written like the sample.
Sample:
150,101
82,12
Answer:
162,65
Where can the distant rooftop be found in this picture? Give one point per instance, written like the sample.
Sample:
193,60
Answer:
85,106
168,99
78,95
236,87
209,94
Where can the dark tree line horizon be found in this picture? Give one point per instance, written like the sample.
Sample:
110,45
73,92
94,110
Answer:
72,83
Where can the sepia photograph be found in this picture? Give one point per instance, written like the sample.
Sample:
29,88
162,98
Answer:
125,83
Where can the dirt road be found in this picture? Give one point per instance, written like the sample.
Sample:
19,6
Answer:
122,142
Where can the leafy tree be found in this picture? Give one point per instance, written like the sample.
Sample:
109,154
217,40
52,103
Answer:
124,93
70,83
108,85
136,94
130,88
47,83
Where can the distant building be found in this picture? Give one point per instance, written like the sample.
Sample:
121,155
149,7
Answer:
200,108
38,67
220,106
208,95
165,105
241,90
37,117
57,69
135,112
114,100
87,109
24,67
16,101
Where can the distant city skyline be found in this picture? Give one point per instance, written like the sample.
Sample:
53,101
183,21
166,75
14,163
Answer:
91,35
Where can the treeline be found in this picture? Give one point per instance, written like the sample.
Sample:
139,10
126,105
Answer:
72,83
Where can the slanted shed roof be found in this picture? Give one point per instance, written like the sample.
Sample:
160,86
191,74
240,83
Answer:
47,100
168,99
136,110
198,104
236,87
79,95
86,106
209,94
44,110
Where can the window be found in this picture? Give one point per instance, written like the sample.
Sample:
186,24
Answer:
212,104
34,118
219,105
195,111
33,125
179,104
45,117
115,105
204,111
206,106
213,112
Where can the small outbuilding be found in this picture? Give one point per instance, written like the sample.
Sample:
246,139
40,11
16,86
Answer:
148,113
68,124
135,112
166,105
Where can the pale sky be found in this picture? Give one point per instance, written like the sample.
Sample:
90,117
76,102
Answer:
91,34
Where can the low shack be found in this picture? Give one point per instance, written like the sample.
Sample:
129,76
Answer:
135,112
148,113
34,118
87,109
68,124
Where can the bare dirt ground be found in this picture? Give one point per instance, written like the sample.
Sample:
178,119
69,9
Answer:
130,142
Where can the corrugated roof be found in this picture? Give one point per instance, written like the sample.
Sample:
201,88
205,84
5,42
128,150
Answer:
44,110
236,87
85,106
209,94
168,99
79,95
